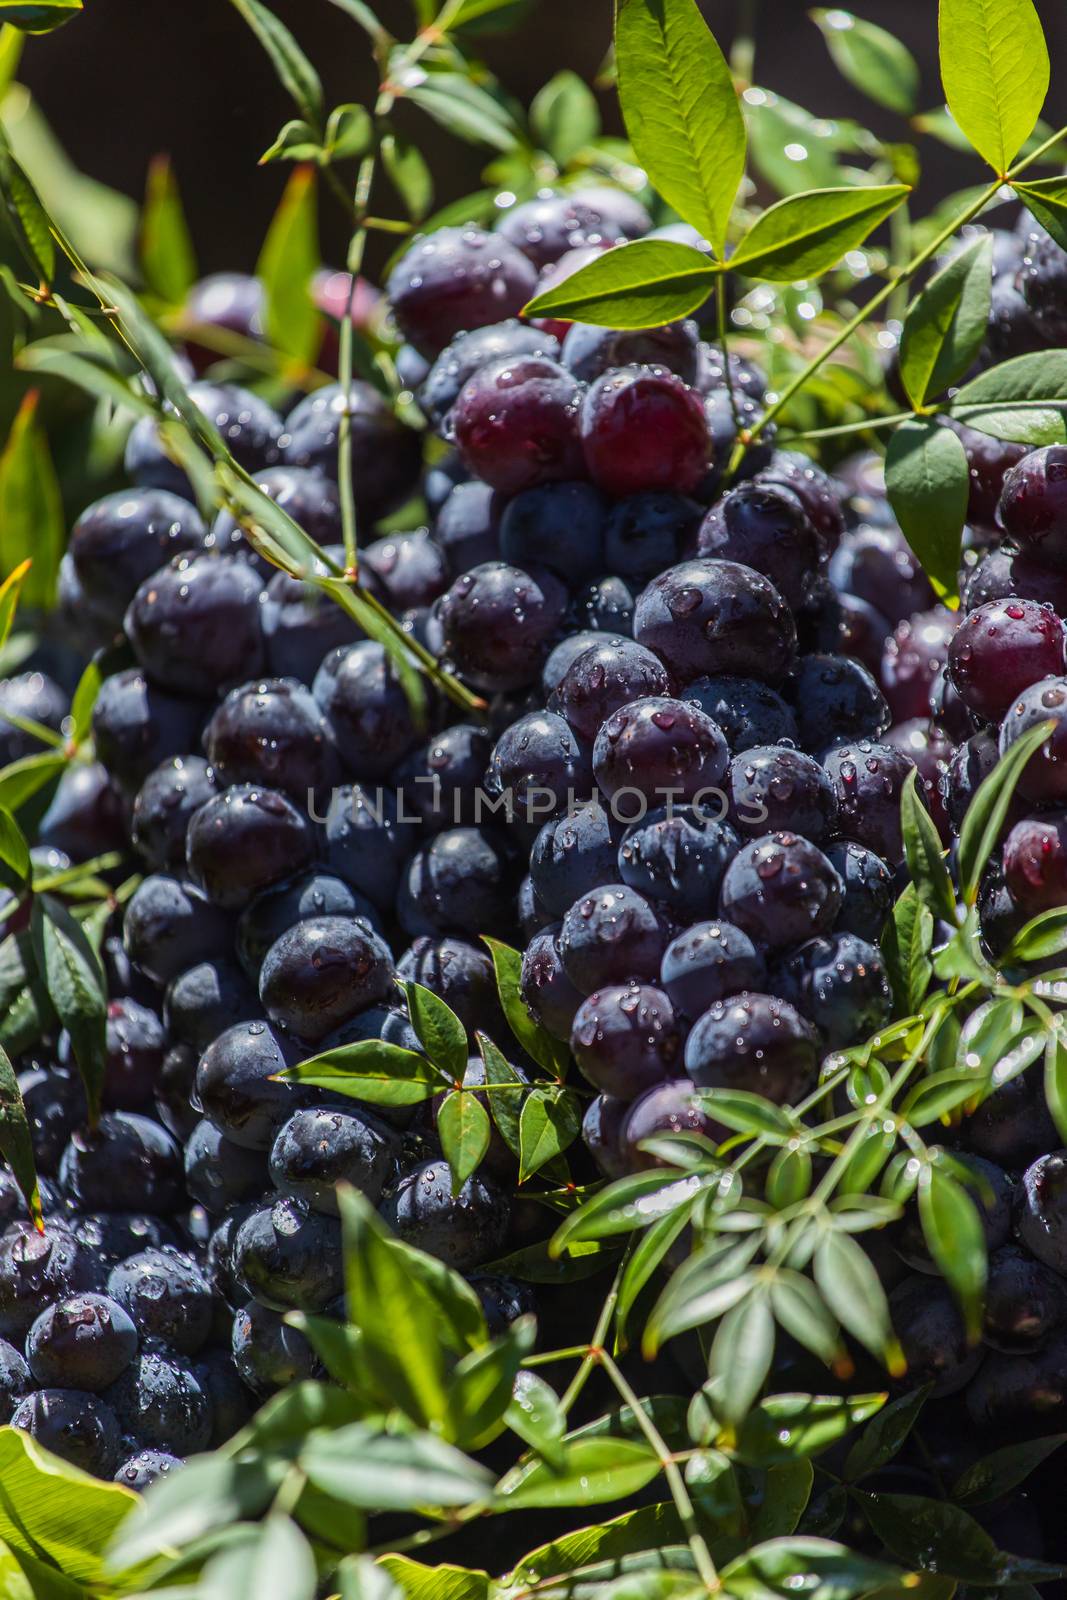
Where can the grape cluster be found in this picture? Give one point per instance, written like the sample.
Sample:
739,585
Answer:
682,801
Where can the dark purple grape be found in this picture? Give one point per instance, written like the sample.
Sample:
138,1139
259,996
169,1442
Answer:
643,428
456,279
710,617
549,225
364,711
707,962
772,787
515,423
499,623
869,894
164,807
625,1039
545,987
839,983
749,713
835,699
386,454
781,890
121,540
271,731
647,533
590,351
245,839
756,1042
196,626
1044,778
657,749
668,1109
913,655
612,935
558,525
467,527
877,565
467,354
765,526
678,856
868,780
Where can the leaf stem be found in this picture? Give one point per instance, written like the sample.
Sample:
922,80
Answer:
600,1333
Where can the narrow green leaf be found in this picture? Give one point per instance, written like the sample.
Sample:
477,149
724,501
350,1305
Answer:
1046,199
376,1471
936,1096
884,1437
995,72
647,1256
465,109
564,117
168,259
639,285
907,940
946,324
296,141
480,1385
38,16
32,523
788,1177
295,72
852,1289
77,988
1043,936
927,481
635,1201
463,1129
442,1581
505,1108
439,1031
549,1122
16,1145
349,132
27,216
408,173
924,854
549,1053
275,1563
997,1474
981,828
535,1414
287,264
828,1571
741,1355
592,1470
85,697
10,592
1056,1081
800,1309
955,1237
25,777
748,1112
872,60
806,234
372,1070
786,1426
14,854
681,111
101,382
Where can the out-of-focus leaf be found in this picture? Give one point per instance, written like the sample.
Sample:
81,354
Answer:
286,266
77,988
927,481
32,524
955,1236
873,60
464,109
852,1289
295,72
408,173
38,16
168,259
10,590
16,1144
564,116
377,1471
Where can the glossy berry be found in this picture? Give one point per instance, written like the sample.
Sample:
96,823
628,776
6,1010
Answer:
160,1400
127,1162
236,1084
765,526
814,488
647,533
268,1354
840,984
145,1467
1025,1302
114,1236
1012,1126
1000,649
440,778
868,889
550,224
134,1043
269,915
1020,1393
605,676
1033,500
780,889
251,428
244,840
503,1300
219,1173
989,460
461,1230
455,279
1005,573
169,926
287,1255
15,1379
85,815
195,625
704,618
862,632
932,1335
319,1148
612,935
365,843
301,625
643,428
500,622
467,528
363,709
409,568
914,653
1044,777
657,748
868,780
773,787
515,423
668,1109
467,354
835,700
307,495
540,766
748,712
75,1426
322,971
589,351
573,854
37,1268
33,695
119,541
164,806
607,606
167,1297
1035,862
272,731
625,1039
137,724
558,525
602,1127
54,1102
705,964
877,565
678,856
547,991
1041,1220
755,1042
461,882
386,454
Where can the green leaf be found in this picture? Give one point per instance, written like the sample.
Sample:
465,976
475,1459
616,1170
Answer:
38,16
924,854
464,1131
871,59
639,285
23,779
627,1204
993,1476
748,1113
788,1177
1046,199
10,593
439,1031
939,1537
955,1236
591,1471
32,523
85,697
787,1426
442,1581
802,1312
464,108
946,324
741,1355
907,940
564,117
168,259
927,481
296,141
884,1437
600,1551
349,132
56,1512
709,1284
535,1414
936,1096
1000,397
1043,936
982,826
408,173
25,1009
77,988
851,1288
16,1144
372,1070
275,1563
806,234
681,111
375,1471
786,1492
505,1108
647,1256
549,1122
338,1345
27,216
995,72
1056,1081
294,71
776,126
287,264
14,854
480,1386
823,1569
538,1043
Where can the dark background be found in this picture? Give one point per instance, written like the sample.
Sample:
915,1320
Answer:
129,78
